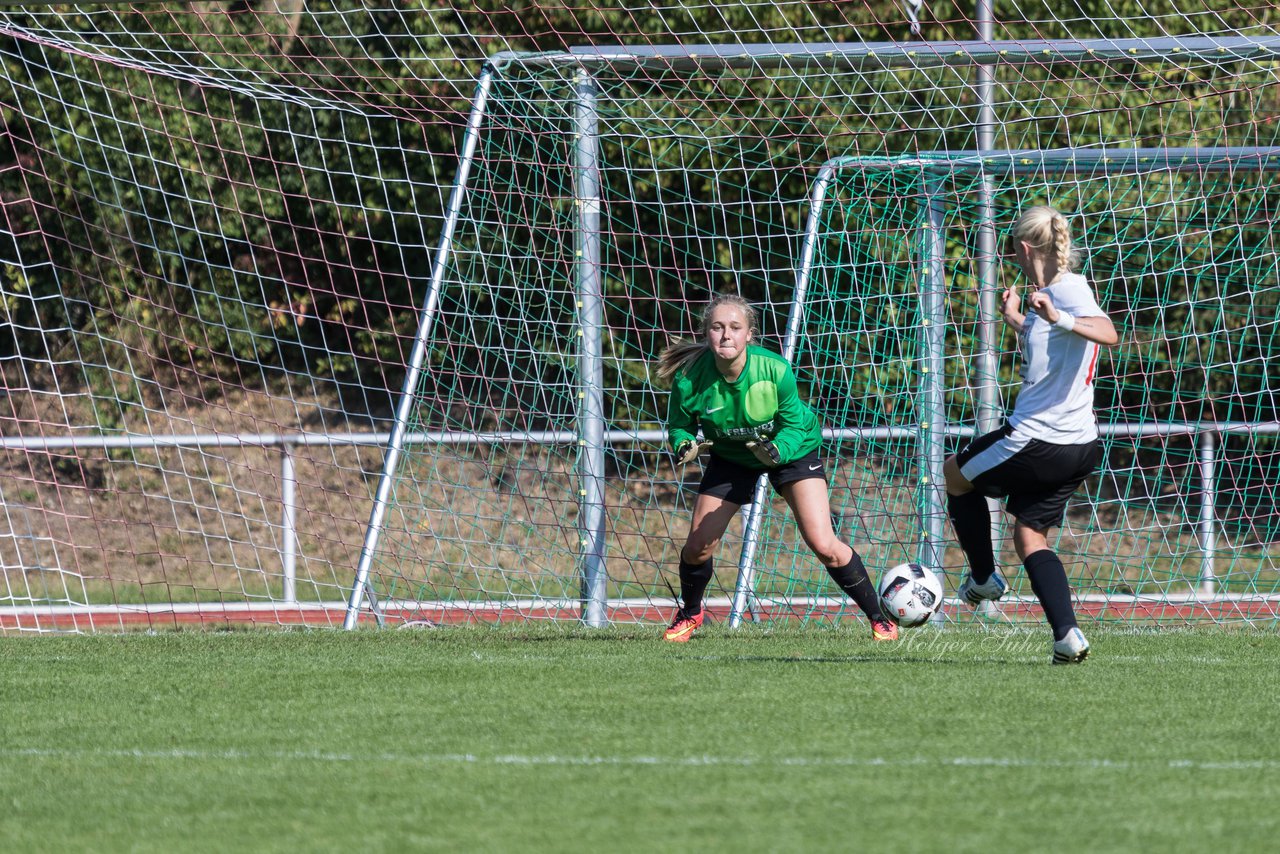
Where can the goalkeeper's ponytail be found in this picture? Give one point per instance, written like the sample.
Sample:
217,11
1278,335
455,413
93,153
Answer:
679,354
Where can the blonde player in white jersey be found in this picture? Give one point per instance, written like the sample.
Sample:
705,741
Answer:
1049,444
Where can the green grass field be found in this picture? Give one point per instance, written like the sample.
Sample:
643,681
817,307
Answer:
543,739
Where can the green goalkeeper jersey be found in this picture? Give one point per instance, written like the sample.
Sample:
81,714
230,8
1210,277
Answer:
762,400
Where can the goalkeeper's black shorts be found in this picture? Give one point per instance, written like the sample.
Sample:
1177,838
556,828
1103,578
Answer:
736,483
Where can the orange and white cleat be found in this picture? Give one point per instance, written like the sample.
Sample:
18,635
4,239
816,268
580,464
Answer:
683,626
883,630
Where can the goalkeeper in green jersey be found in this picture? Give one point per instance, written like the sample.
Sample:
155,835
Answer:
753,422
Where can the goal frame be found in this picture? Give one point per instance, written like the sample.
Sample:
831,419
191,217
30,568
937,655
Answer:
586,62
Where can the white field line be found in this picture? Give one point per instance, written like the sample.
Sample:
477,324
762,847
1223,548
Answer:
708,761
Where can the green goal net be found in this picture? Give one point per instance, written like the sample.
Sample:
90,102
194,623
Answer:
707,167
314,306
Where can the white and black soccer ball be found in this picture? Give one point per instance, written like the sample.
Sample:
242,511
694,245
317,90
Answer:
910,594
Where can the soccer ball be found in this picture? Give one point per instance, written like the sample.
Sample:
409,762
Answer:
910,594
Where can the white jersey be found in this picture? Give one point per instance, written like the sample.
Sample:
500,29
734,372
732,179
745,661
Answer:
1055,403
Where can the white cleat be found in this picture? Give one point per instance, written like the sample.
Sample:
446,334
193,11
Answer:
988,591
1072,649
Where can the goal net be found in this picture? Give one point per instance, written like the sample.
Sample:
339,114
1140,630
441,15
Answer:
245,253
696,200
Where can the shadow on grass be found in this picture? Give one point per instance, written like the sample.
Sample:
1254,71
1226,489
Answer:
866,659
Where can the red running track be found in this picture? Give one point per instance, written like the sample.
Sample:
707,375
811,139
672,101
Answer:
330,615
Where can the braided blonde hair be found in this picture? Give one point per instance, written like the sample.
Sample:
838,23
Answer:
680,353
1046,230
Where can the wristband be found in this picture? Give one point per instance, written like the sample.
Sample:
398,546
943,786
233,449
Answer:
1065,322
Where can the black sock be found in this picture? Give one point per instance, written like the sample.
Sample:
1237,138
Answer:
1049,581
972,522
694,578
852,579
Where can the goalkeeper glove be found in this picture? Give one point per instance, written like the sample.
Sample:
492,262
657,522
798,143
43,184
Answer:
689,451
765,451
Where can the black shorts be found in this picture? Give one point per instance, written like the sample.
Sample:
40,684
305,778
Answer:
736,483
1036,478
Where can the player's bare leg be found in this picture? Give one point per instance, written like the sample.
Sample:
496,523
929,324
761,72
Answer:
811,505
711,518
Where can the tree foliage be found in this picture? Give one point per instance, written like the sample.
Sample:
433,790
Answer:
250,192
